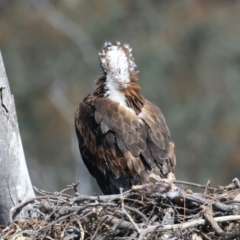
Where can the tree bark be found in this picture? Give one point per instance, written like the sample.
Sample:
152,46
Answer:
15,183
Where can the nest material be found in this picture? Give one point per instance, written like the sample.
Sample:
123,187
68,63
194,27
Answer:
151,211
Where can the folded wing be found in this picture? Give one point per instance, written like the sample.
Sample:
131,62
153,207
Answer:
121,148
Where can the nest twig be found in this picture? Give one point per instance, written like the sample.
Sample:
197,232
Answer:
150,211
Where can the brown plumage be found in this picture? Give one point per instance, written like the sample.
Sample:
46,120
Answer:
123,137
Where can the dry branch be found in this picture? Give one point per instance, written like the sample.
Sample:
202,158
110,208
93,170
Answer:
15,184
140,214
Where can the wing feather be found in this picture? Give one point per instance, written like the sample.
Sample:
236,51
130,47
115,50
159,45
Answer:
158,138
123,123
119,147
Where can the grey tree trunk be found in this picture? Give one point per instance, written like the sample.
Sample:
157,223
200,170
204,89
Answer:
15,183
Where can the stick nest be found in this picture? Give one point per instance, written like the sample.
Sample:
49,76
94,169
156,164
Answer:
161,210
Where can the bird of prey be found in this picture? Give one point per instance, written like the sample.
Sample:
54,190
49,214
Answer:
123,137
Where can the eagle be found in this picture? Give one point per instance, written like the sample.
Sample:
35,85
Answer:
123,137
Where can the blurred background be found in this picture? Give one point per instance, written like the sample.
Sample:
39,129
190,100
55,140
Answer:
188,57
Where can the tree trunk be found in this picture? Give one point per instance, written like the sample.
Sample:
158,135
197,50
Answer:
15,183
